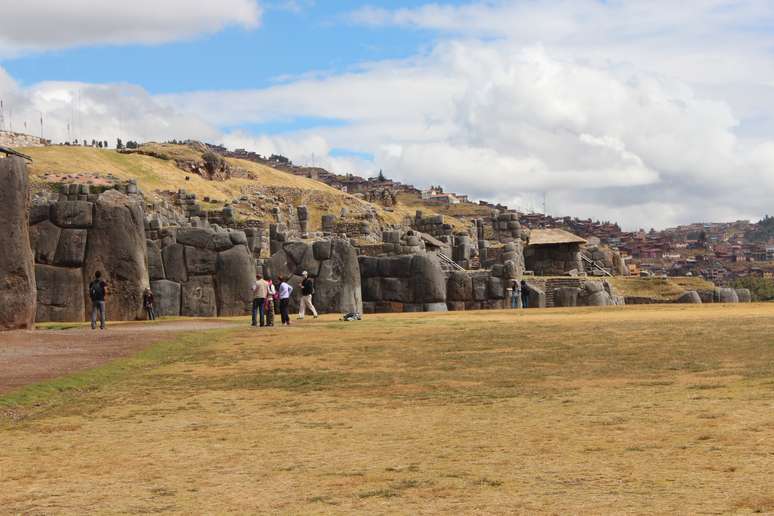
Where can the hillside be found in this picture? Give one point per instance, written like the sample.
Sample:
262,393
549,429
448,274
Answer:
162,171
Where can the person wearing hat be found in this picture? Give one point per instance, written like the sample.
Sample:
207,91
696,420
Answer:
307,291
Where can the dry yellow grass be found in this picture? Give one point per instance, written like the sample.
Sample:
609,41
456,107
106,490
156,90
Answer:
155,174
666,289
577,411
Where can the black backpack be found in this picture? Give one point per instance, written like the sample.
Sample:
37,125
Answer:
96,290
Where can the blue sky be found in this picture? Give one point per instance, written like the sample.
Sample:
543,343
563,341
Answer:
316,37
648,113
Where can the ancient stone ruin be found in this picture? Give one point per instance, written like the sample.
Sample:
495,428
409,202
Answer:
17,272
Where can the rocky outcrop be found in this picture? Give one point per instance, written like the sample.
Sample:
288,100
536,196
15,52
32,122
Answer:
17,266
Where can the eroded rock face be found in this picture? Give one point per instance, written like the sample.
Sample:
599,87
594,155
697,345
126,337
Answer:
116,246
18,295
337,288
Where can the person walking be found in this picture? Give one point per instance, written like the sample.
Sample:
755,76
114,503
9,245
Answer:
260,292
515,294
98,290
307,291
147,303
268,309
524,294
285,291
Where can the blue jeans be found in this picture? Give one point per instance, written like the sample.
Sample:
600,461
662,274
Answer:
258,305
516,300
97,307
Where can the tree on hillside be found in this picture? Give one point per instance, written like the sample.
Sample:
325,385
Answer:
119,144
381,176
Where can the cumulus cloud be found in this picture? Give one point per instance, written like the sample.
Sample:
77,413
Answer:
648,114
39,25
103,112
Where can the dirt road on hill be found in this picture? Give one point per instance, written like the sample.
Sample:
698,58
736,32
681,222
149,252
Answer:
28,357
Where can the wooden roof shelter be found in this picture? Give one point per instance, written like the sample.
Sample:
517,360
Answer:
553,237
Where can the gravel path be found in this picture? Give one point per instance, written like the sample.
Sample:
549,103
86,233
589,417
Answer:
28,357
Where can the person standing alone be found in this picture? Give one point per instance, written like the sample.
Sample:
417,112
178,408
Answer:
260,291
147,303
97,292
285,291
307,291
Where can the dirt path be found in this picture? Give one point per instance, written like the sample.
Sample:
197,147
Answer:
28,357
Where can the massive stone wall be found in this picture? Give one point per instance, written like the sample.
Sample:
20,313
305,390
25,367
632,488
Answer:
17,273
201,272
406,283
72,239
553,260
332,264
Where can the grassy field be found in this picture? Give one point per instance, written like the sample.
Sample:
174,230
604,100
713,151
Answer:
665,289
664,409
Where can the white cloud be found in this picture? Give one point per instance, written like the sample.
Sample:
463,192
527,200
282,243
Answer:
39,25
648,114
104,112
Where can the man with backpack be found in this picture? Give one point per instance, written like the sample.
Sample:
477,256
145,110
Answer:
97,292
307,291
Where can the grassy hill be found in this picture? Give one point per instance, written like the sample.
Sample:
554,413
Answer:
159,172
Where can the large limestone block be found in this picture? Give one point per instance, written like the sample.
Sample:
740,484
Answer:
459,287
279,266
296,251
44,238
496,288
234,279
726,295
435,307
200,262
395,266
599,299
71,250
166,295
174,263
39,212
155,261
428,279
480,286
372,289
116,246
337,288
195,237
322,250
396,289
566,296
221,241
689,298
60,294
537,297
17,266
72,214
198,298
369,266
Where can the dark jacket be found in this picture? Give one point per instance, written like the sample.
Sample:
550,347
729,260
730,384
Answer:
307,287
